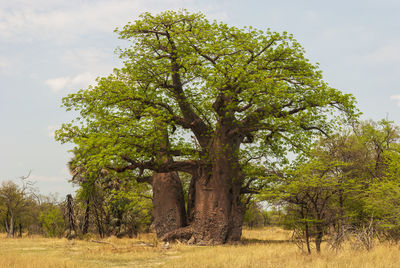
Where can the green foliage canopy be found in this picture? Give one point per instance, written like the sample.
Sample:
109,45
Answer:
183,78
348,181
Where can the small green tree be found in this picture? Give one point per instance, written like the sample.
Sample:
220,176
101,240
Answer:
383,196
113,203
16,203
131,212
254,215
308,190
52,221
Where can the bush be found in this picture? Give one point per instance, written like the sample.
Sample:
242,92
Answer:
52,222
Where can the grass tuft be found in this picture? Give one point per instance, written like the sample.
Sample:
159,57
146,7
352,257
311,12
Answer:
268,247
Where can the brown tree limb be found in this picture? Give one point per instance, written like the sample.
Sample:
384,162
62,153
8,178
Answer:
200,129
188,166
184,233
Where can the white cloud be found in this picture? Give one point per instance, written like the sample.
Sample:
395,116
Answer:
94,59
57,84
86,56
66,20
70,82
388,53
24,23
396,98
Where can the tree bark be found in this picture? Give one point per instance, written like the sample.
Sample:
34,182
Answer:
99,223
307,234
168,203
10,232
218,211
20,230
71,217
306,229
191,198
87,214
318,238
6,224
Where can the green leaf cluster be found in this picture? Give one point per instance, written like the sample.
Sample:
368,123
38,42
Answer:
183,78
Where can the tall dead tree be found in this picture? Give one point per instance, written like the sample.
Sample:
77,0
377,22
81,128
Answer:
71,218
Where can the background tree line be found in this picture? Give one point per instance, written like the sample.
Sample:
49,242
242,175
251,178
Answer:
106,207
346,187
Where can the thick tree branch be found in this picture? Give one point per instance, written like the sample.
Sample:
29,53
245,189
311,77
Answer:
188,166
148,179
200,129
252,121
314,128
145,31
210,59
246,189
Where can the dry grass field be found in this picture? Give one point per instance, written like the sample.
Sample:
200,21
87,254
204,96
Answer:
269,247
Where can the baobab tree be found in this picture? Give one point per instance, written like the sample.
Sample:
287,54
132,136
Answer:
205,99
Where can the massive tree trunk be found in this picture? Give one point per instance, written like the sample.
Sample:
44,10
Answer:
217,211
191,198
168,199
168,203
218,215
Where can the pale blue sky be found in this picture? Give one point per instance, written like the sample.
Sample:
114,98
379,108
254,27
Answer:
49,48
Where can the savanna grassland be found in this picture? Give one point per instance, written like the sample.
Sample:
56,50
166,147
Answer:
268,247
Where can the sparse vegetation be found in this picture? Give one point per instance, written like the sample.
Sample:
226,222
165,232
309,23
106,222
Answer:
266,247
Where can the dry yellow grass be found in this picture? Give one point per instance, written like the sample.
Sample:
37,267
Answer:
269,247
49,252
